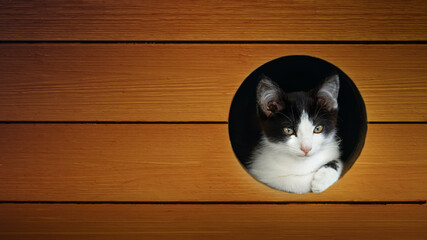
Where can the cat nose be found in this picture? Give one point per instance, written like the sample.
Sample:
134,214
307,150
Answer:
305,149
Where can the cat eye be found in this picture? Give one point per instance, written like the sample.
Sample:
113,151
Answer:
288,131
318,129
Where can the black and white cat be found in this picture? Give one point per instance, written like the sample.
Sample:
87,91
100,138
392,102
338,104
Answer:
299,150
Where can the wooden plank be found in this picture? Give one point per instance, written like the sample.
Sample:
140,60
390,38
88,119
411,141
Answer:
40,221
157,162
188,82
213,20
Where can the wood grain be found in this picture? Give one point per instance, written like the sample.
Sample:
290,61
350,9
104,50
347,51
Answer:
40,221
188,82
213,20
170,162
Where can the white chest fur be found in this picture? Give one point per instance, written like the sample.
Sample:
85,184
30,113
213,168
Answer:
277,166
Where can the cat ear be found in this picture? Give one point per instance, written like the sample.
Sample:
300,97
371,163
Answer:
269,96
328,92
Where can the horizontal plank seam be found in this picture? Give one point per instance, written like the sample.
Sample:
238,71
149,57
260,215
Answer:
160,122
220,202
214,42
400,122
113,122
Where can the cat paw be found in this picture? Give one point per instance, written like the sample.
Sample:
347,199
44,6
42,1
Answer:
323,179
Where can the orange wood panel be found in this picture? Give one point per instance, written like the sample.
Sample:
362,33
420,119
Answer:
175,162
213,20
188,82
105,221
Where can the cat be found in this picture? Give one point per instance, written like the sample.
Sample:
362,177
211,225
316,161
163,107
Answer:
299,149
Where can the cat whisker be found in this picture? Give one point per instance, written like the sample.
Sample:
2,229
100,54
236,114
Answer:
285,116
317,113
293,116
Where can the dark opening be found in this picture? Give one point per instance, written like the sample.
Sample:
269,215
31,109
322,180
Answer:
298,73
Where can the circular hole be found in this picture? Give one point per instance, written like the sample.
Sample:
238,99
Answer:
247,119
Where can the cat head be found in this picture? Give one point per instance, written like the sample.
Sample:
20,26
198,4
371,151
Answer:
298,123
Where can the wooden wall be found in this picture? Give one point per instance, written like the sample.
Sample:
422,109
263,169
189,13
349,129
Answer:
113,119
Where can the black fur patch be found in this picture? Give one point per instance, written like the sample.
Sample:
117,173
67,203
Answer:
332,164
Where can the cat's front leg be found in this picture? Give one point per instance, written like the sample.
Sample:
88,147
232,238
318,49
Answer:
327,175
292,183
